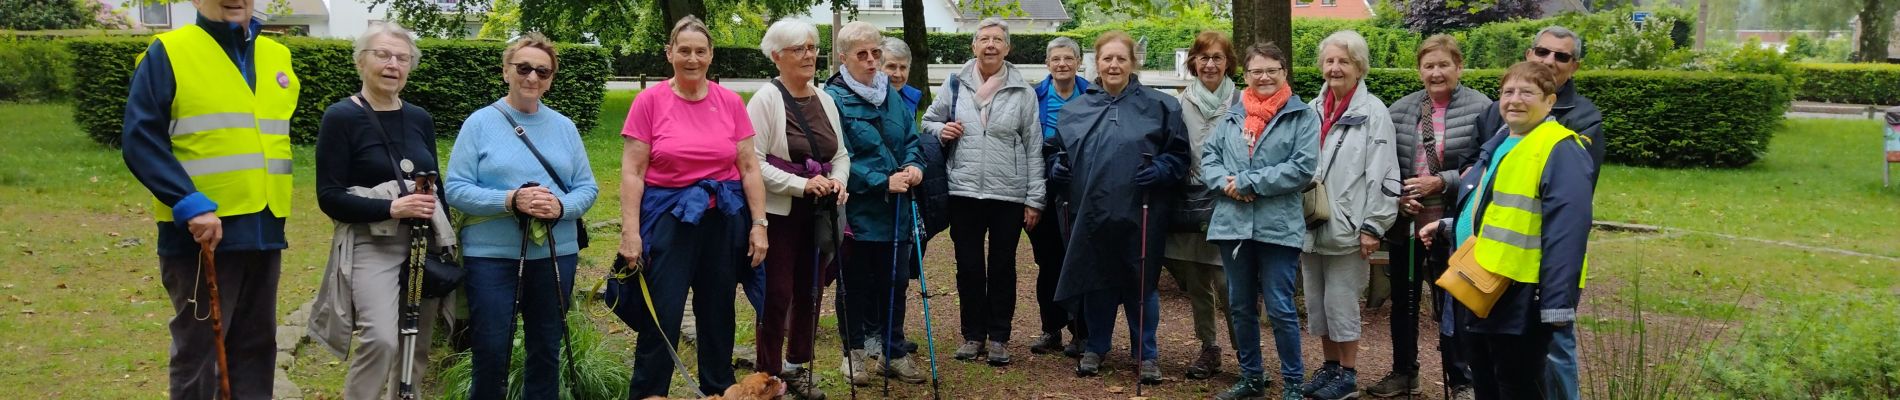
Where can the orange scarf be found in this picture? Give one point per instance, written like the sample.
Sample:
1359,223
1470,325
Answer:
1261,109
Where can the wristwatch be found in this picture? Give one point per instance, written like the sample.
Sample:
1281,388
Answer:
761,222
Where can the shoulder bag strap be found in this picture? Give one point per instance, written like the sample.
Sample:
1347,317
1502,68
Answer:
389,147
798,117
522,133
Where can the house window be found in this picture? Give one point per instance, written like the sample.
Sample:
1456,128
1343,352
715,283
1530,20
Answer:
877,4
1302,3
1329,3
151,14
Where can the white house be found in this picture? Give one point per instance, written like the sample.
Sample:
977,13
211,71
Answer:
943,15
340,19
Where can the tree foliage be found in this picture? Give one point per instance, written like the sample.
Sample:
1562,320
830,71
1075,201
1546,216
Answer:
1435,16
31,15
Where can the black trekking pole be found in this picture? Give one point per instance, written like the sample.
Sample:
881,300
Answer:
890,298
818,268
561,300
844,326
1141,295
420,231
923,291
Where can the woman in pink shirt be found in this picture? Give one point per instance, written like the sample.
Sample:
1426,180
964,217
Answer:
690,181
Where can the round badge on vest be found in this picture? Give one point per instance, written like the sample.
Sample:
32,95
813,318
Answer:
283,80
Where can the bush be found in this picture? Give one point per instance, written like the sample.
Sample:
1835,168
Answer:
455,78
1710,120
1841,347
32,15
602,366
1754,58
36,71
1877,84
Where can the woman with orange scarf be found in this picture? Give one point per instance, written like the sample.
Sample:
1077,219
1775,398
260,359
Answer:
1258,158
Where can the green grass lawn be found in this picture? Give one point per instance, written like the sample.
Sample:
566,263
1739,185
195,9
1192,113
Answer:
86,305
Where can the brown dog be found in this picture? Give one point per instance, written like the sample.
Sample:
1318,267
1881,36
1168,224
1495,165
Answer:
758,386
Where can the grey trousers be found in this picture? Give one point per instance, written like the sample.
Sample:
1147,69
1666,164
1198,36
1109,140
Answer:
247,288
1333,285
376,291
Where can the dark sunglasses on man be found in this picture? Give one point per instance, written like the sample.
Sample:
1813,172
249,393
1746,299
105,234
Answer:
524,69
1562,57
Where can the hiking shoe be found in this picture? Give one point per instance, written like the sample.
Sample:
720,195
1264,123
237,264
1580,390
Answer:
1248,388
1463,393
1048,343
856,368
1207,365
1395,384
801,383
1150,372
1292,392
999,354
905,369
1345,385
1090,365
743,356
969,350
908,346
1321,378
1074,349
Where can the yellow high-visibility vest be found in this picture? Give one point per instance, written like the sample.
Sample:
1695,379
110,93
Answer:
1510,236
235,143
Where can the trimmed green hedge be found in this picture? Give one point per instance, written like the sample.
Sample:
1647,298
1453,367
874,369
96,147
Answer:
1652,118
35,71
455,78
1877,84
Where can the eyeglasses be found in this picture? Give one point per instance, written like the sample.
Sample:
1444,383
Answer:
869,55
1525,94
1063,60
524,69
1562,57
1264,72
800,50
386,56
1210,59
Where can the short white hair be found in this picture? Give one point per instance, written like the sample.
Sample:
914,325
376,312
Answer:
1064,43
1354,44
787,33
857,33
895,49
390,29
991,22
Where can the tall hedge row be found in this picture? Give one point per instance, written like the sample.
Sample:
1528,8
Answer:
454,79
1651,118
1877,84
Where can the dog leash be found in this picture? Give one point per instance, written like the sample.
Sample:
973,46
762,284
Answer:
629,269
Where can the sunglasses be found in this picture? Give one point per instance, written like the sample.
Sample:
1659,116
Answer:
1542,52
524,69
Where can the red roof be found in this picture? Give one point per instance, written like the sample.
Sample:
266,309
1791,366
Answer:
1336,9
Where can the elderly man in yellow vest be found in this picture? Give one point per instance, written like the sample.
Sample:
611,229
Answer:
207,131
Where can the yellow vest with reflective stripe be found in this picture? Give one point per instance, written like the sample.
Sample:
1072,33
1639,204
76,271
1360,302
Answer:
1510,236
235,143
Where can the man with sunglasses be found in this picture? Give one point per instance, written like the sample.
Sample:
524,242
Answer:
1562,49
215,154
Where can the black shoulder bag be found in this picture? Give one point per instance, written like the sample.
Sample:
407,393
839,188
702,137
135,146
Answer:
580,225
441,272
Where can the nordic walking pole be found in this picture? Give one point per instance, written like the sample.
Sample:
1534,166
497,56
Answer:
818,268
209,267
923,291
890,303
560,300
844,325
1141,295
419,233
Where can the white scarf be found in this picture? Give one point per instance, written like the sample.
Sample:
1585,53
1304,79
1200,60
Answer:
875,92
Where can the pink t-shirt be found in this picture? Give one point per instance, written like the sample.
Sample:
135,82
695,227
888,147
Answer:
692,140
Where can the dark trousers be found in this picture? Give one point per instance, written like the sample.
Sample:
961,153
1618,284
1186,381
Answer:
247,305
986,283
492,285
705,259
1508,366
1407,290
873,277
1049,246
791,298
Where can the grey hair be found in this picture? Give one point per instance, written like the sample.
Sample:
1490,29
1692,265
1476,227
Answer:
1065,43
857,33
1563,33
895,49
390,29
787,33
1354,44
991,22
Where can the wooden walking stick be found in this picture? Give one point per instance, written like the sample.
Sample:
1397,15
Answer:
209,268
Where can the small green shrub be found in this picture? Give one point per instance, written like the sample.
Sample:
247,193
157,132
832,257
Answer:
1833,347
603,367
455,78
35,71
1877,84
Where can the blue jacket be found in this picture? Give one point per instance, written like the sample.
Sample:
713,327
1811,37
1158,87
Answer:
1567,191
882,141
912,96
1049,109
1282,165
146,146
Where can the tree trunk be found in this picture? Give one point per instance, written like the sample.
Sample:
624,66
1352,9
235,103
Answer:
1875,21
916,36
1264,21
1701,24
673,10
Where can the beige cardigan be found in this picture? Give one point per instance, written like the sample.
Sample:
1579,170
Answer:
767,111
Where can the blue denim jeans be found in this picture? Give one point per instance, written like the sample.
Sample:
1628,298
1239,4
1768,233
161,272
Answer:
1256,270
1560,376
1098,311
492,285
